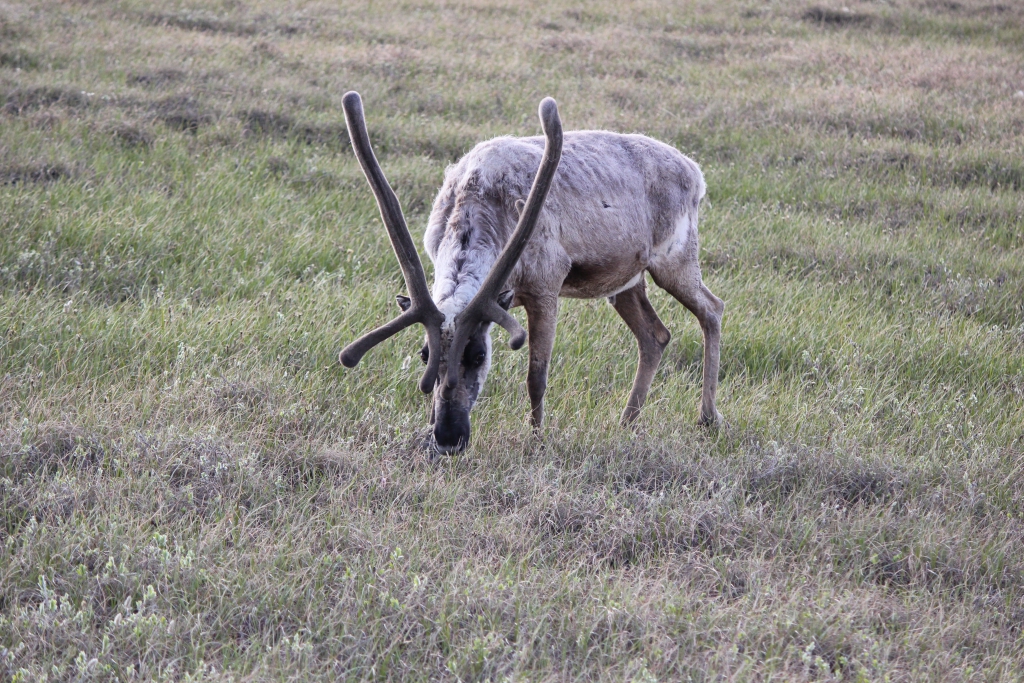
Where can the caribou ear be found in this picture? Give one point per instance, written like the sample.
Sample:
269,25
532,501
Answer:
404,302
505,298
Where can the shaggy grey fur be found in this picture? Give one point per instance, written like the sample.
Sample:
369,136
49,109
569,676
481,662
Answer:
619,205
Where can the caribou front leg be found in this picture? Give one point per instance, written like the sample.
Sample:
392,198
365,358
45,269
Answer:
541,316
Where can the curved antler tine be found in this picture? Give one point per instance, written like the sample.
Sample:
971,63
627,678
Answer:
354,352
433,358
502,317
509,256
423,309
390,209
482,307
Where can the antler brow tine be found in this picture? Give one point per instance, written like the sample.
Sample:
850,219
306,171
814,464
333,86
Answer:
484,306
423,310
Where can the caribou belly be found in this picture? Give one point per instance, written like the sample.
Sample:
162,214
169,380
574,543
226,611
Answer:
590,283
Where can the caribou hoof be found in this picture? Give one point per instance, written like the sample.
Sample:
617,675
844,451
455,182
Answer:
711,421
629,419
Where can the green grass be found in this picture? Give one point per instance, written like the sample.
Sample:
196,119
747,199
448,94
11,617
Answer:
193,488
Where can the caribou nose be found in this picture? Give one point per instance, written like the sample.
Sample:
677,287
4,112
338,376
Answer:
448,449
450,441
451,432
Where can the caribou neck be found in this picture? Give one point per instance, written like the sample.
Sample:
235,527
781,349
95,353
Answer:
463,259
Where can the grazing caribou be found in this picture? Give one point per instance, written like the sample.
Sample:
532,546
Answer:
620,205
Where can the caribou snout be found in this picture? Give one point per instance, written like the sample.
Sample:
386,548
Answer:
451,428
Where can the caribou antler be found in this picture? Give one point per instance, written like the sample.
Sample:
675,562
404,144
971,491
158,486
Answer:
422,310
484,305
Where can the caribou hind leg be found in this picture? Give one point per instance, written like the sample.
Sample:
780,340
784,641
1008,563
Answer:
681,278
652,337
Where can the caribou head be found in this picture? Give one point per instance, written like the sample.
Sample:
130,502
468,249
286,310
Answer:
457,352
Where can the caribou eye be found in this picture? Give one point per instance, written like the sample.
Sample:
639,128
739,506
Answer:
425,354
474,358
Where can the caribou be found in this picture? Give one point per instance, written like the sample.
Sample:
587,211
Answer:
618,207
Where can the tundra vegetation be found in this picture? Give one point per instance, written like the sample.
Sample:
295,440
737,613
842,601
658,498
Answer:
192,487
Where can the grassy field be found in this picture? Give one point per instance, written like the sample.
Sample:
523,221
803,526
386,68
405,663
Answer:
193,488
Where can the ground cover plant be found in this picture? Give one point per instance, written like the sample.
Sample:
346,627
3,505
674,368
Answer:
192,488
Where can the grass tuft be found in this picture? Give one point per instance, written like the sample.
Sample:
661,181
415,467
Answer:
18,59
155,79
182,112
836,17
35,173
22,100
